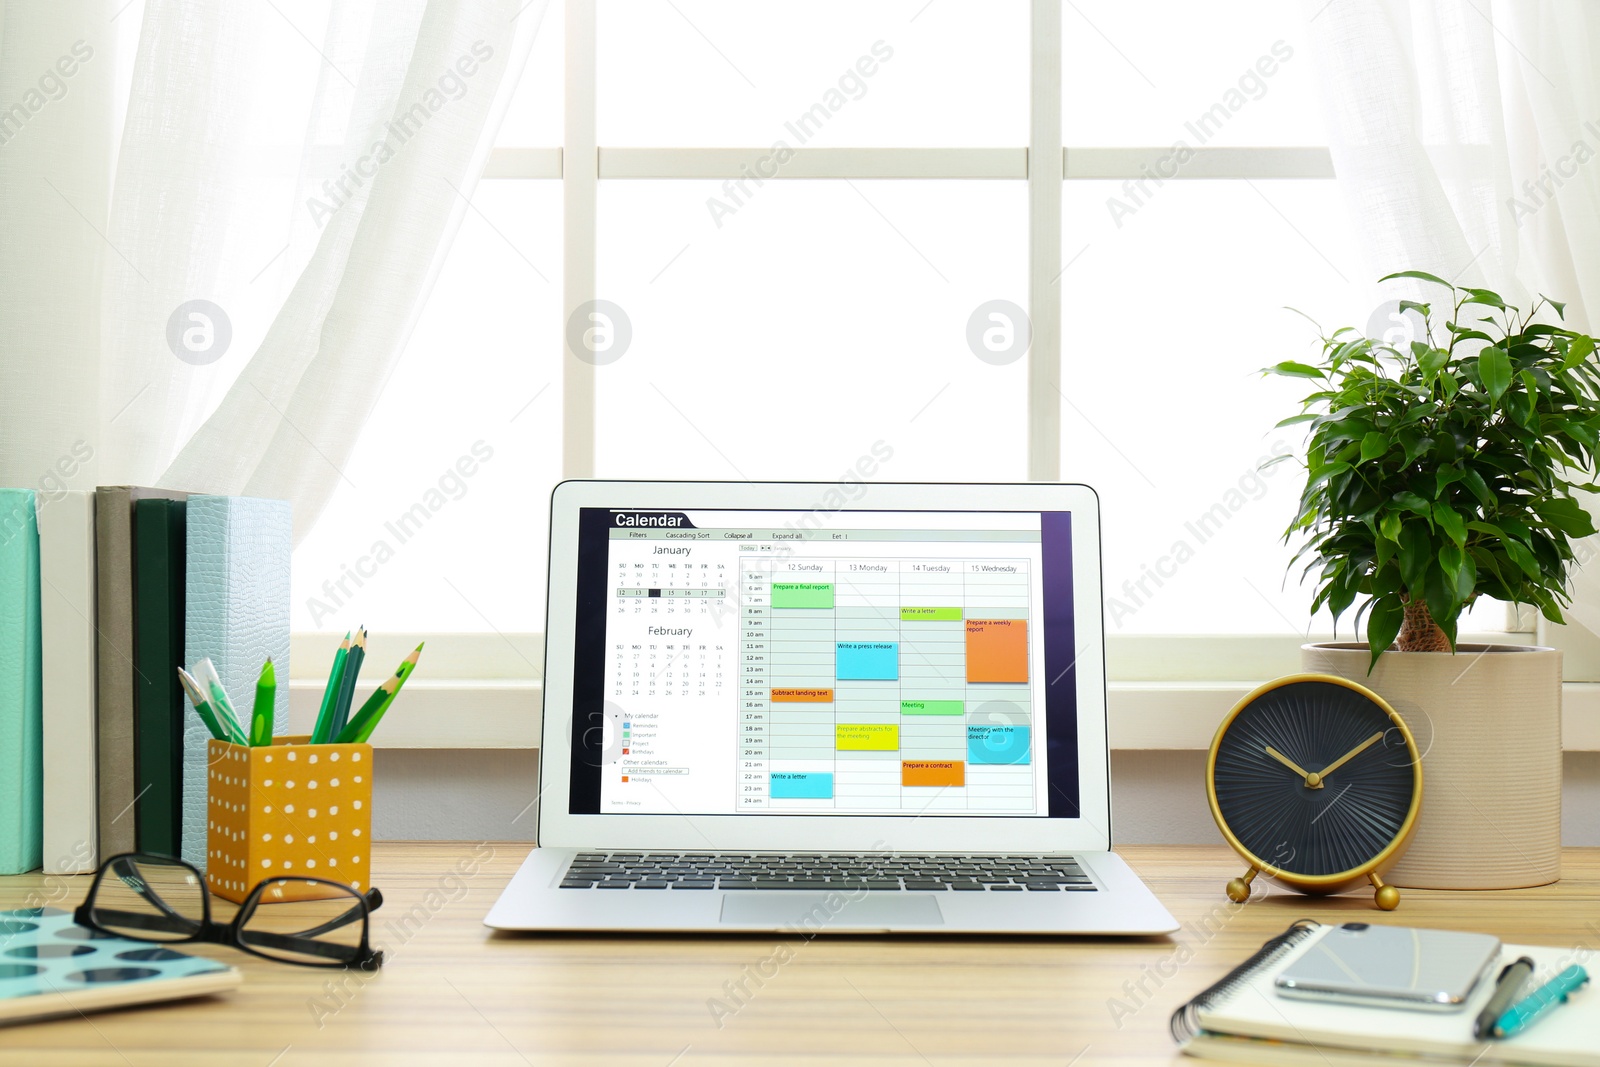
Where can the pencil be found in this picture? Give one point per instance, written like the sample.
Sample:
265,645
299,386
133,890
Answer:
261,713
203,708
330,694
363,722
347,686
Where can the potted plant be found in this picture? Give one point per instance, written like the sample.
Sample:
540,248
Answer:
1439,471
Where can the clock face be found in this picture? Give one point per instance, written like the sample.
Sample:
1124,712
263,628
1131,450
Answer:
1314,778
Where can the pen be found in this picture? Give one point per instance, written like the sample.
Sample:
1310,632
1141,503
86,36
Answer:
1541,1001
203,708
1512,978
261,714
205,673
363,722
330,695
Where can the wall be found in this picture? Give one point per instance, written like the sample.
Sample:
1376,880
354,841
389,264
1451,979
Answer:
1157,796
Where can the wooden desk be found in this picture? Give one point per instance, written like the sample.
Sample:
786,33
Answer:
453,992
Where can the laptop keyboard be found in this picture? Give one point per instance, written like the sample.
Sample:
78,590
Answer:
815,870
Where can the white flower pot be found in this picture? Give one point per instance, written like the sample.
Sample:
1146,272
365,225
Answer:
1487,721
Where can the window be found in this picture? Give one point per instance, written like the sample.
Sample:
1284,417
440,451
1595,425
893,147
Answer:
801,209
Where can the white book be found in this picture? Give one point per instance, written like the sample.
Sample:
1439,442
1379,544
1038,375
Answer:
1244,1019
66,616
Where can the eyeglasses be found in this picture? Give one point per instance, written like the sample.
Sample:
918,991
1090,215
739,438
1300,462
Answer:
309,921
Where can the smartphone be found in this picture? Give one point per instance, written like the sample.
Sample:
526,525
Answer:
1391,966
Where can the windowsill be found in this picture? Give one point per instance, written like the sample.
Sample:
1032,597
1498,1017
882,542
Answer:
1144,715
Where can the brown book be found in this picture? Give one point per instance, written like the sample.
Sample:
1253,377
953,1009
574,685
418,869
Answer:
114,660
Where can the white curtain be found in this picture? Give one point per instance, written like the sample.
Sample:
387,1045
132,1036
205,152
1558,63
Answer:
298,167
1466,137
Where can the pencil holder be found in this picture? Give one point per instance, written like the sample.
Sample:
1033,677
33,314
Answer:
288,808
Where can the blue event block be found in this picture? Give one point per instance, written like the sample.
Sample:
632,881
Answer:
868,661
997,744
800,785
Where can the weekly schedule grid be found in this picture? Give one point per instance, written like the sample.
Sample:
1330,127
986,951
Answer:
877,669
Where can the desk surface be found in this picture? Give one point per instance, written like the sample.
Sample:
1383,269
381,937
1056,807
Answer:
453,992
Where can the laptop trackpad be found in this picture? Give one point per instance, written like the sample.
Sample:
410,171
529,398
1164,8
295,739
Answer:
819,911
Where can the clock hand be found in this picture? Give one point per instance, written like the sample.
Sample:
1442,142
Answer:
1352,754
1312,781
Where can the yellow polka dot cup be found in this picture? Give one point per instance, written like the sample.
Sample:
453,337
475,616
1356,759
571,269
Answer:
288,808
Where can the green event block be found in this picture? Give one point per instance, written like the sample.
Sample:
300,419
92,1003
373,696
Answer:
933,707
802,595
930,614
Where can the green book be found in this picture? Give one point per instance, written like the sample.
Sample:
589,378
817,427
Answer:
21,686
158,573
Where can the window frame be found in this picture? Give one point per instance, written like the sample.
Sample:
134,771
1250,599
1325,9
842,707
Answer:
1165,690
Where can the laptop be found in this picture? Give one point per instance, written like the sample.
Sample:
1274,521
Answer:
825,708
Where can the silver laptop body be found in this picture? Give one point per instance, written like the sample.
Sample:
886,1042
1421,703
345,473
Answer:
825,708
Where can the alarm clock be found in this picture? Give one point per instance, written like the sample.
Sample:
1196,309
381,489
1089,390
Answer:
1315,780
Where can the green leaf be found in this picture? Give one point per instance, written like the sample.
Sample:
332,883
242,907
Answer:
1291,369
1420,275
1389,526
1416,552
1580,349
1373,445
1450,522
1292,419
1383,625
1411,501
1474,482
1485,297
1523,558
1494,367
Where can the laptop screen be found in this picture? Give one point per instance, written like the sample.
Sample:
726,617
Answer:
881,663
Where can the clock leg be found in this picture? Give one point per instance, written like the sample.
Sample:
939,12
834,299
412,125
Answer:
1239,888
1387,896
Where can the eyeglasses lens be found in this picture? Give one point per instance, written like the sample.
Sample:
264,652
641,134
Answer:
293,911
149,900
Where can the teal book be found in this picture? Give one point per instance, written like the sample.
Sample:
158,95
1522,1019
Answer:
21,686
158,592
236,612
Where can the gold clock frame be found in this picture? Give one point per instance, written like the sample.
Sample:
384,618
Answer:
1387,897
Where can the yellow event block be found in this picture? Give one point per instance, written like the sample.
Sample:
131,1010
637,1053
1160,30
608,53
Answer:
866,737
287,808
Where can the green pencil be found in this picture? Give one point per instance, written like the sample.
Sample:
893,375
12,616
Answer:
203,708
261,714
347,687
363,722
330,695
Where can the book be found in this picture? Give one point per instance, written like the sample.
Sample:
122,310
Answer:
113,522
236,611
158,558
66,621
21,757
1244,1019
56,967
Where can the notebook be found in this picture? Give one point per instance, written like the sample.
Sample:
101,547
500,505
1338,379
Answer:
55,967
114,674
66,613
236,612
1243,1019
21,757
158,702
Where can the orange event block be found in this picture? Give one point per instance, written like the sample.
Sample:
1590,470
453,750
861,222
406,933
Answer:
997,650
802,696
933,772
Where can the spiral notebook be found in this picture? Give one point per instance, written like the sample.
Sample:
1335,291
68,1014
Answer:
1243,1018
51,967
